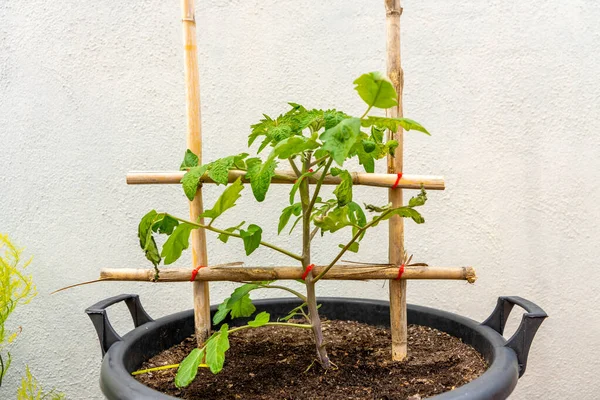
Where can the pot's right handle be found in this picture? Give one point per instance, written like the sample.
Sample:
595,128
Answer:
520,342
106,333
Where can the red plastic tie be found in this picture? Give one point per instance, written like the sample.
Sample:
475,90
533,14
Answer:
400,272
397,180
310,170
195,272
307,271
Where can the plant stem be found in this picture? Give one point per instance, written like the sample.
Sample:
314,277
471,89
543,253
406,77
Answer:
318,161
294,167
237,235
311,298
366,112
292,291
318,185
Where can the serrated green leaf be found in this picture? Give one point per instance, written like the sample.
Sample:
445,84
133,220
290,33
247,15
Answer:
357,217
333,117
376,90
188,368
287,212
260,320
242,308
177,242
260,176
147,242
216,348
226,200
190,160
222,312
219,170
393,124
353,247
251,238
338,141
191,180
224,237
343,191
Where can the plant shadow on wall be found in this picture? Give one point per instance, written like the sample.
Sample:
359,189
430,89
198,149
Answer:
17,290
316,144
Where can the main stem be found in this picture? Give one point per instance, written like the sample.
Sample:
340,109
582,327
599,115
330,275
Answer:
311,297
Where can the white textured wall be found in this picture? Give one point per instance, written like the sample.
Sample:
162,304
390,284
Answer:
509,89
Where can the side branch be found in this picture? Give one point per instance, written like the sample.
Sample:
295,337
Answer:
408,181
255,274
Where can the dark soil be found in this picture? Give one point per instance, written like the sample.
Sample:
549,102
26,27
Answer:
273,363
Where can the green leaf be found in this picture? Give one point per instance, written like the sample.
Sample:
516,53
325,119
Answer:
260,176
219,170
391,146
343,191
251,238
191,180
369,146
376,90
224,237
406,212
338,141
147,242
242,308
353,247
216,348
357,217
292,146
222,312
176,243
418,200
295,209
333,220
226,200
189,160
260,320
164,224
393,124
240,292
294,225
188,368
333,117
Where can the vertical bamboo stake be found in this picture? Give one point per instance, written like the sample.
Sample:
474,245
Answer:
194,143
398,321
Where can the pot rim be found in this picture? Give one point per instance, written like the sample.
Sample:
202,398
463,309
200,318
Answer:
498,381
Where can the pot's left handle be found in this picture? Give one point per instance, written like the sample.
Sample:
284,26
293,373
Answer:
106,333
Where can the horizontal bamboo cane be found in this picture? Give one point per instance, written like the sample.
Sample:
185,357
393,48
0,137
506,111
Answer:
379,180
242,274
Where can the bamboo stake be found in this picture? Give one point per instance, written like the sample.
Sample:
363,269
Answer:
244,274
398,316
194,143
288,177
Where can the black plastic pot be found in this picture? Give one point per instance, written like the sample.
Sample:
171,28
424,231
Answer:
507,359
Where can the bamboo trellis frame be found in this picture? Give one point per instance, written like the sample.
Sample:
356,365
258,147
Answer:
338,272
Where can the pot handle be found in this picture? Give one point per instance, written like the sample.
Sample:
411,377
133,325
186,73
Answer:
520,342
106,333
